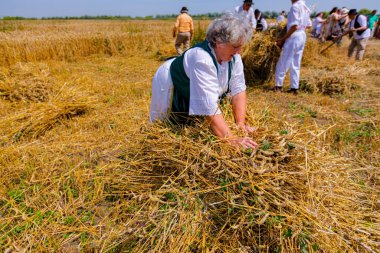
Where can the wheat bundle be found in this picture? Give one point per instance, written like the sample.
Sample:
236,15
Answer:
192,193
333,82
26,82
41,118
260,57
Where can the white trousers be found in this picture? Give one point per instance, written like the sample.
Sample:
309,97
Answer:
162,88
291,57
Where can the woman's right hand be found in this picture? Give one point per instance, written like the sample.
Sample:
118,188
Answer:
244,142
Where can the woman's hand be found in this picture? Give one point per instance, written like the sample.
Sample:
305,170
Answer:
245,128
242,142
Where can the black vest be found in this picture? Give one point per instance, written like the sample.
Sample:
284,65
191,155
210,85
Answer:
357,25
259,24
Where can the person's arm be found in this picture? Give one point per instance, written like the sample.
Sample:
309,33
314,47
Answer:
363,23
348,30
239,102
280,42
337,17
175,29
219,126
295,17
191,30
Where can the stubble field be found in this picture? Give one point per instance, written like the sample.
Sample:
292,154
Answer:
83,171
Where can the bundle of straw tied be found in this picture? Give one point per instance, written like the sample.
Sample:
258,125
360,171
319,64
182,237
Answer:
260,55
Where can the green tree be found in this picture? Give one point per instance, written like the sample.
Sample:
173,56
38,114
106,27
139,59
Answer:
365,12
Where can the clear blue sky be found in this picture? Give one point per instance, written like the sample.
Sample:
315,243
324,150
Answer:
50,8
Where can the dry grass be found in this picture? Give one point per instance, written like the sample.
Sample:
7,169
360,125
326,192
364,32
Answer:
331,83
84,172
260,56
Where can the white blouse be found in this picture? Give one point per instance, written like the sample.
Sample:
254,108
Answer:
206,84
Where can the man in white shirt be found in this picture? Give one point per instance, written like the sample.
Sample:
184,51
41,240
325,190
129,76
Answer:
261,23
292,45
246,10
361,33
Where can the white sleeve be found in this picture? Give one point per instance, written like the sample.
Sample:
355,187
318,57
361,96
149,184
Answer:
237,82
294,17
202,73
236,11
253,21
251,18
264,23
362,20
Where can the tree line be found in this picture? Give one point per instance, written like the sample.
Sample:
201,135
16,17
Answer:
266,14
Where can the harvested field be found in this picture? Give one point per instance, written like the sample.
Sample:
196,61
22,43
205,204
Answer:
83,171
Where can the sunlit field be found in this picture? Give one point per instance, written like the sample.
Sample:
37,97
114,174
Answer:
83,170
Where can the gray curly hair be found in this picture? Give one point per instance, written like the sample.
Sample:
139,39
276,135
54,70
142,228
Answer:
229,28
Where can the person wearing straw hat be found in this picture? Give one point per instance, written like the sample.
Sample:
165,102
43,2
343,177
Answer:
247,11
343,22
183,30
359,30
194,83
292,45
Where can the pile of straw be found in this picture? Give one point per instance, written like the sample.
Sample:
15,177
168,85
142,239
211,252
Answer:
192,193
40,118
260,57
26,82
333,82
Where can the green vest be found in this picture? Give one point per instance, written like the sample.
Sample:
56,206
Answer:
181,82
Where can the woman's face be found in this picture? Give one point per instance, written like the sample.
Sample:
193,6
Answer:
225,51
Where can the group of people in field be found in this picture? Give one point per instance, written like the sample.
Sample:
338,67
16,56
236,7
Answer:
341,22
338,20
193,84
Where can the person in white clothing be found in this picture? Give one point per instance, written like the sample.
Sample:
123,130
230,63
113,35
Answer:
359,30
247,11
194,83
281,18
317,25
261,23
292,45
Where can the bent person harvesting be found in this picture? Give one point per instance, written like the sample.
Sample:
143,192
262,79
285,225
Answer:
193,83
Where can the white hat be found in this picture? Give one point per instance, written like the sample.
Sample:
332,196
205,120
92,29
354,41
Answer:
344,10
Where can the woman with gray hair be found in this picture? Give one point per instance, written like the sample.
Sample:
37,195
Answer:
194,83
